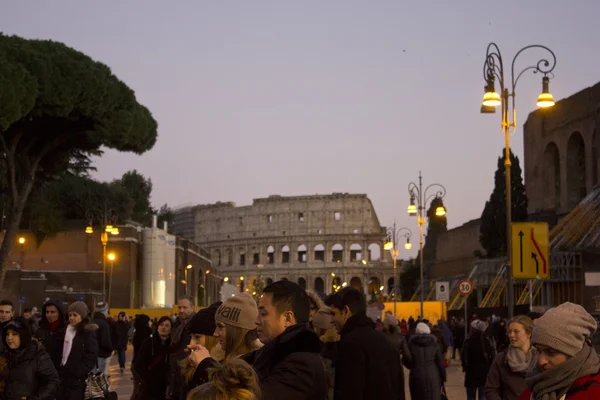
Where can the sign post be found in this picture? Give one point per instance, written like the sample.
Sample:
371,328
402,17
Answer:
465,287
442,292
530,254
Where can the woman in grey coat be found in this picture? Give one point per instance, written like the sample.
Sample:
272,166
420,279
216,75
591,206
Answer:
427,372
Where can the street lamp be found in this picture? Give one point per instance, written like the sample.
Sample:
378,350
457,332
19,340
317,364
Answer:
421,197
21,251
107,217
111,257
392,244
493,68
185,281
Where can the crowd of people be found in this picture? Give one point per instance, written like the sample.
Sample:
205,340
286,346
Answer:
295,345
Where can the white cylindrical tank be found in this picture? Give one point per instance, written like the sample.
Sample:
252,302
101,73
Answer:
169,260
153,268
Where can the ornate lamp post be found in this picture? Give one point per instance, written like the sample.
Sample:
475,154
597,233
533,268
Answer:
392,244
421,197
107,218
493,68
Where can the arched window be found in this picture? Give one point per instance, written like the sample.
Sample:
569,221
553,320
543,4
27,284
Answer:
285,254
356,283
374,252
336,284
218,257
374,285
552,176
576,173
302,253
337,253
355,253
320,253
390,284
319,285
270,255
302,283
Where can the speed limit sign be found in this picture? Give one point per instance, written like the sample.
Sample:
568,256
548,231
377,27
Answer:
465,287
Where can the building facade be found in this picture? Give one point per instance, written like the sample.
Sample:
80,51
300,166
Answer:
322,242
562,147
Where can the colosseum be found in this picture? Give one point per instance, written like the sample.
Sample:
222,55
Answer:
322,242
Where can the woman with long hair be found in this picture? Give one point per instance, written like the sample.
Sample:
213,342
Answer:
79,355
152,363
234,380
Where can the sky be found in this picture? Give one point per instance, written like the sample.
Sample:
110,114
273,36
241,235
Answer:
255,98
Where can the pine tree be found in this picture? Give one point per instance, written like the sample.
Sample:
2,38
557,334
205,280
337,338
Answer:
493,219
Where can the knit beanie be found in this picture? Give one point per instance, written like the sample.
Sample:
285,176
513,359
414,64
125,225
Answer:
240,310
564,328
21,326
203,322
323,319
422,329
390,320
102,307
80,308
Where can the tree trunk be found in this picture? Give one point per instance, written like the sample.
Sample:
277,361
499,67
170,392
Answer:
16,211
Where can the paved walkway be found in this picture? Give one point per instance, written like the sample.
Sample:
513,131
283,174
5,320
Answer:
123,385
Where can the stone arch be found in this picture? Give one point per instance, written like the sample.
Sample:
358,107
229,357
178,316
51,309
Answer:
319,252
319,285
373,285
390,286
355,252
302,283
270,255
337,253
269,281
374,251
356,283
284,279
228,256
217,257
336,284
552,175
242,254
302,253
285,254
576,171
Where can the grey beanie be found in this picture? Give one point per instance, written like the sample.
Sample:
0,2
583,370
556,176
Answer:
80,308
564,328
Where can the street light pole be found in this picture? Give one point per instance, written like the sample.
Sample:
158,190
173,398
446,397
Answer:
493,68
419,195
107,217
111,258
392,244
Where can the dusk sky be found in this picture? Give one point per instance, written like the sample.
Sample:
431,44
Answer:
255,98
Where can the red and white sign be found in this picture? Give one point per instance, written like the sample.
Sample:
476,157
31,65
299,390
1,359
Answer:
465,287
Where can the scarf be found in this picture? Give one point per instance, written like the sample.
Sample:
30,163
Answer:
176,335
554,383
53,325
69,336
519,361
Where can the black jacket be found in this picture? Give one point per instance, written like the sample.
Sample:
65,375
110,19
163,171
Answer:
121,332
52,340
427,371
290,367
151,366
83,356
368,366
477,357
31,374
105,347
142,331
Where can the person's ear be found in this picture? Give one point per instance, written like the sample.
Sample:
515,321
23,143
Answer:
347,312
289,319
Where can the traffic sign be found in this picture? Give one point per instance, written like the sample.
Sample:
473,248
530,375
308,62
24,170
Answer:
21,299
442,293
530,256
465,287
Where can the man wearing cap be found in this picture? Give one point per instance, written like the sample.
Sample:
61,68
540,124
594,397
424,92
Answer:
103,335
568,366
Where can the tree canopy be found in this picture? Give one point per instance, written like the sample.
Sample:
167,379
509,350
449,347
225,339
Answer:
436,226
493,219
57,108
139,189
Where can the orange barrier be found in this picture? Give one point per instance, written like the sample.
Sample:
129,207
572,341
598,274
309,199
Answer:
432,310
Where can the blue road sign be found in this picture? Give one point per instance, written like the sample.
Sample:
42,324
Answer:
21,299
79,298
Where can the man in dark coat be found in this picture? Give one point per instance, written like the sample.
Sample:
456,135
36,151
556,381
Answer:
103,335
180,339
289,365
51,332
368,366
121,331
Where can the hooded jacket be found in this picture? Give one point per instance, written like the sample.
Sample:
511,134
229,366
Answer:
52,339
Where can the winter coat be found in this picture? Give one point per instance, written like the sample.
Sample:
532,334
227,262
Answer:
427,372
105,347
151,367
82,359
290,366
121,331
502,383
142,331
31,374
441,340
586,388
52,340
476,358
177,353
368,366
